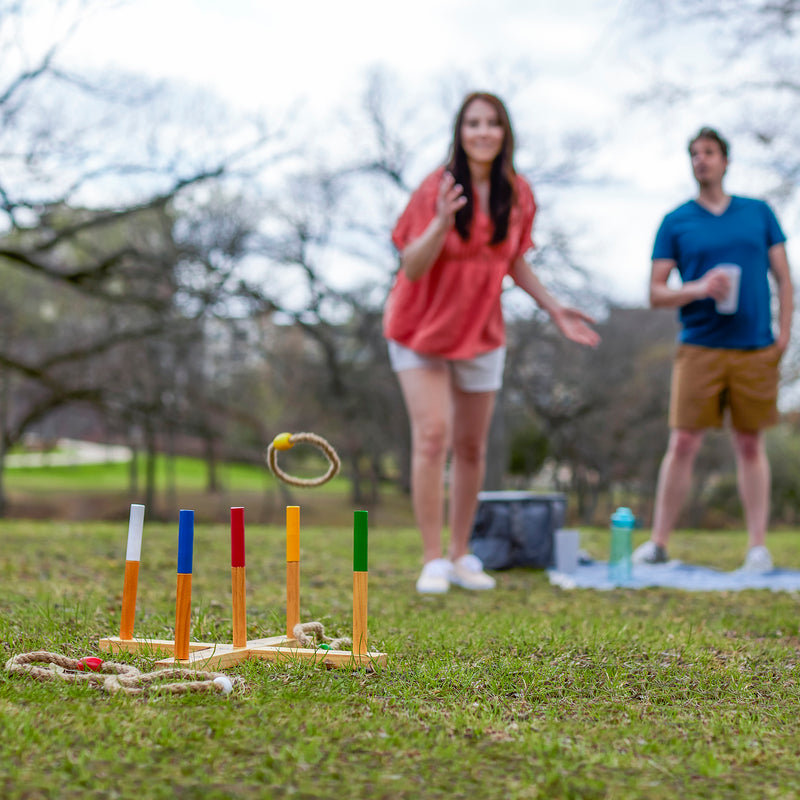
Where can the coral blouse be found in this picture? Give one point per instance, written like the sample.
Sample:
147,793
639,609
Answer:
454,309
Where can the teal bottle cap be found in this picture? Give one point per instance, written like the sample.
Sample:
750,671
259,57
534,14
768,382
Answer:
623,518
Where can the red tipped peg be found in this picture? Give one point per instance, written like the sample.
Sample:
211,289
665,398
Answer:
91,662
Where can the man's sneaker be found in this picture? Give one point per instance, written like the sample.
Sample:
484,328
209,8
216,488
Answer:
650,553
468,573
435,577
758,560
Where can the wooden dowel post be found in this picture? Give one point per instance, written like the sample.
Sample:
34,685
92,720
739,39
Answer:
129,592
238,581
183,603
360,582
183,614
292,569
131,581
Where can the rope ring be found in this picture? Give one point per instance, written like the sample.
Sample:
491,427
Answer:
312,634
113,677
285,441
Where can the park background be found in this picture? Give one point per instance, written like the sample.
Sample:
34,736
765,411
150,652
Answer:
195,209
195,206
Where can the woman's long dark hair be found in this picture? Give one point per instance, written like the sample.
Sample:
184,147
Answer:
502,178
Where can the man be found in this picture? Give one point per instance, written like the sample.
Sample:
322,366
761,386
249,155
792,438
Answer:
727,357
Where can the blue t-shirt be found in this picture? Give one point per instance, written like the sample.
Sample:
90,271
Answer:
697,241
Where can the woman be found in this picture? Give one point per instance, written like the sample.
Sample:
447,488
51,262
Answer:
464,230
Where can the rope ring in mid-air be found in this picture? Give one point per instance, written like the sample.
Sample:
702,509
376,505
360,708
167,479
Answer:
285,441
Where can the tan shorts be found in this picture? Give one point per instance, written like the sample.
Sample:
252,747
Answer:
707,380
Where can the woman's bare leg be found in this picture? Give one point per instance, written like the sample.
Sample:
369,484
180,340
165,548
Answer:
427,395
472,416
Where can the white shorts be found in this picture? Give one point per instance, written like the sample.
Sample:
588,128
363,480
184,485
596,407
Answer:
483,373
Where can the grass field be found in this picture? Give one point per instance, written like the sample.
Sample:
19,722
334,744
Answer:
102,491
190,472
524,692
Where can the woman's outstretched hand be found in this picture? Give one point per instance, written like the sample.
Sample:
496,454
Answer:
575,325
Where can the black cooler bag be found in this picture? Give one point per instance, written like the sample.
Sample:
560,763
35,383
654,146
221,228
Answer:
516,529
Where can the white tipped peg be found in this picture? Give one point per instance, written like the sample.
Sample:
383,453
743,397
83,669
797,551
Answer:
135,525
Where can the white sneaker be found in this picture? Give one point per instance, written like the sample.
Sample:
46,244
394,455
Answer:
435,577
468,573
650,553
758,559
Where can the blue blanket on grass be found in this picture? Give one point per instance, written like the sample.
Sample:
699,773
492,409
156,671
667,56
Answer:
677,575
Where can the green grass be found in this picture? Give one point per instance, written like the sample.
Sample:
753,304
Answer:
190,474
102,491
525,692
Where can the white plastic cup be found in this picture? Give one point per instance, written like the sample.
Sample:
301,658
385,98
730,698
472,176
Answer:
730,303
566,547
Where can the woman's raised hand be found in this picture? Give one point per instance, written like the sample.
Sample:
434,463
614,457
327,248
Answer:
450,199
421,253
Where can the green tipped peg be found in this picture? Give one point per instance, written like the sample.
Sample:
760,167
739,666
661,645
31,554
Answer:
360,548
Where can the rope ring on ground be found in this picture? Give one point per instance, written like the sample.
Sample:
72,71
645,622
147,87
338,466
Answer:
312,634
285,441
111,676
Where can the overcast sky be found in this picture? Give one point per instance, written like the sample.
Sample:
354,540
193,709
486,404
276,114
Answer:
584,55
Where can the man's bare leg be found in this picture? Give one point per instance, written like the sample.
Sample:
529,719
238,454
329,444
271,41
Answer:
674,481
753,478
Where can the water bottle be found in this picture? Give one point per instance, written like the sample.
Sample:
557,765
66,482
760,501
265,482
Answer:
620,566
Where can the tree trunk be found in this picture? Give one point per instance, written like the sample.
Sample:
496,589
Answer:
171,488
405,462
357,493
150,468
4,395
133,469
375,480
496,451
212,478
2,477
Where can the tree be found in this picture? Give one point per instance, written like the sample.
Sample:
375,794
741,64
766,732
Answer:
176,249
738,67
603,412
92,180
746,64
342,213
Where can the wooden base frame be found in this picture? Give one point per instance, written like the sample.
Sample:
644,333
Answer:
205,655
